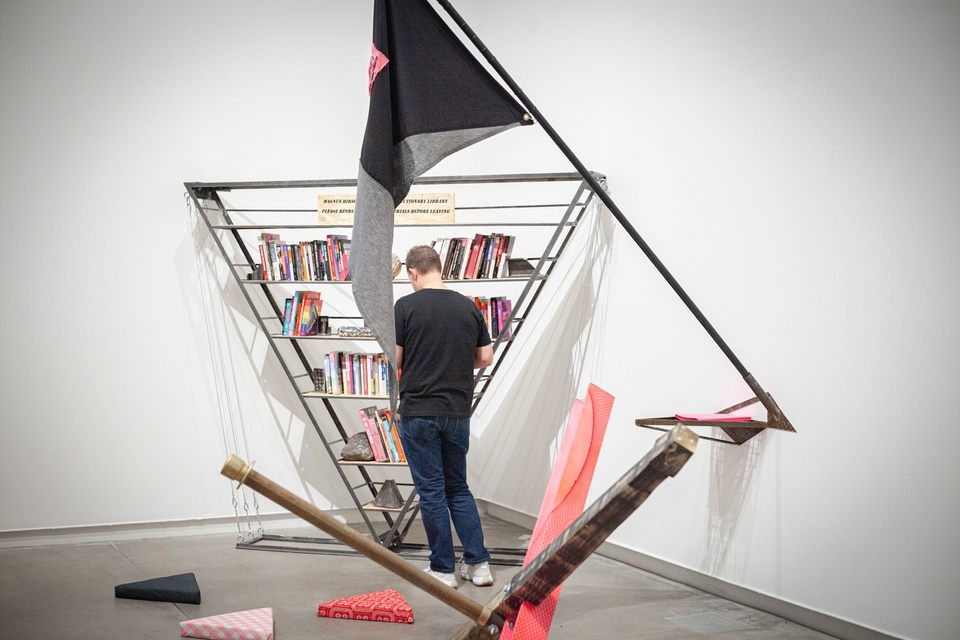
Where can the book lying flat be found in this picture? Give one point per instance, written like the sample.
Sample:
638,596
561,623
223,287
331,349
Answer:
716,417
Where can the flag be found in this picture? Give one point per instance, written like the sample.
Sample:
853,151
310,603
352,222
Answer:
429,97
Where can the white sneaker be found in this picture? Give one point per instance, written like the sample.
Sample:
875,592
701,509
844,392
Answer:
478,574
449,579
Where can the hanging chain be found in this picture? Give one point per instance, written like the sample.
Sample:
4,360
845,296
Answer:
217,348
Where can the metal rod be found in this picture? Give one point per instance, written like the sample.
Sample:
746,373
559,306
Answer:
352,182
607,200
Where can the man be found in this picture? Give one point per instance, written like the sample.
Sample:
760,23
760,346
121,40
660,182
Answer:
441,339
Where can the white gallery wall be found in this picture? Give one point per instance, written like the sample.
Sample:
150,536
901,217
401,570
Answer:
796,165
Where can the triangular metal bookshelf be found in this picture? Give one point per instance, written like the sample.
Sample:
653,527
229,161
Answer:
547,206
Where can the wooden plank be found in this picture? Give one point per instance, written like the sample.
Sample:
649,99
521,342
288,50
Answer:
578,541
571,548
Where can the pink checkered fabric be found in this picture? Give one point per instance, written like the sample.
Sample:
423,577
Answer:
255,624
564,500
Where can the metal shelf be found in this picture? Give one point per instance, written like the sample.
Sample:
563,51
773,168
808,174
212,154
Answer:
556,201
342,396
370,463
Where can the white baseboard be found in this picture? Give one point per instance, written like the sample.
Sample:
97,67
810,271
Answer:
167,529
810,618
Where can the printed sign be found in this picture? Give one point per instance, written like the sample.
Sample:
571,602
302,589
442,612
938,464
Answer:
416,208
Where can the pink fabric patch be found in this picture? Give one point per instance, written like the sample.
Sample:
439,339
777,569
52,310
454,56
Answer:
255,624
379,606
377,62
716,417
564,500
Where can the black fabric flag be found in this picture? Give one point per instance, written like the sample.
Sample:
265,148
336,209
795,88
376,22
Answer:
429,97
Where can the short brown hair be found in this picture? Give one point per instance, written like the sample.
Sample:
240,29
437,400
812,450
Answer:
424,259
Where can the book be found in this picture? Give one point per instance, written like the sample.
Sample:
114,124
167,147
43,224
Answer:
334,253
369,418
342,253
276,259
345,255
309,314
383,386
392,435
306,269
262,249
471,270
451,259
715,417
498,249
287,316
482,259
395,432
347,367
268,255
459,261
287,263
504,309
506,250
289,329
447,257
315,260
483,304
334,373
488,250
325,260
356,369
389,444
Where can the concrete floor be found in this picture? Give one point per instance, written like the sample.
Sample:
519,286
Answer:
66,591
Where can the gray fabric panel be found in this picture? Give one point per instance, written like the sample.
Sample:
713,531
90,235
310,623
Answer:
371,269
417,154
371,246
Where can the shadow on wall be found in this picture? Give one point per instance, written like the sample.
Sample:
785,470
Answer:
526,408
731,506
239,353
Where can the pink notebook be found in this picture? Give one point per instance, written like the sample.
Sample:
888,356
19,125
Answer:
717,417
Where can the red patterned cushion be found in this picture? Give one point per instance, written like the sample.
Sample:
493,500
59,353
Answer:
379,606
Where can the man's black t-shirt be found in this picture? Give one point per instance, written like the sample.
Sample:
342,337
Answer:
440,331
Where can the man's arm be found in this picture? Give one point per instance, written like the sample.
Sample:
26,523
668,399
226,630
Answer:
483,357
399,358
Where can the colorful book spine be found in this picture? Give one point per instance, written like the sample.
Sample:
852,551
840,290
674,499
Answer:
334,373
308,313
290,328
287,316
263,261
387,433
471,270
391,426
368,415
505,308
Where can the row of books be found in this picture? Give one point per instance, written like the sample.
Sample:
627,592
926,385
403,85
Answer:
382,433
484,256
325,259
359,374
301,315
496,311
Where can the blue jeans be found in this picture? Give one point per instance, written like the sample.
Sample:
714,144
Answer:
436,450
